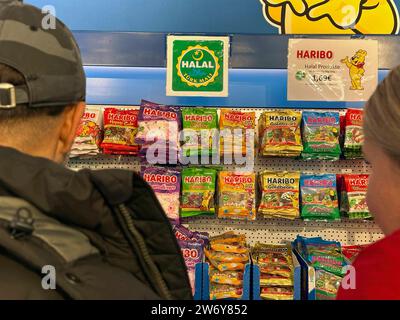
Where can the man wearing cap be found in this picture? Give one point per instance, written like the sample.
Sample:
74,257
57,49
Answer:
65,234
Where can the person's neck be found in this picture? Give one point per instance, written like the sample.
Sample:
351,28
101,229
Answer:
29,150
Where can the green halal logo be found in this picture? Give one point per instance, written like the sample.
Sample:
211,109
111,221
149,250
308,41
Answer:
198,66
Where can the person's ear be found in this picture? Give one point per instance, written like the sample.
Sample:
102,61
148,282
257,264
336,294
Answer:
71,118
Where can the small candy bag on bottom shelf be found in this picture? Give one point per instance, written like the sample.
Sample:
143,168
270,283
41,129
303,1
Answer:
227,255
276,271
326,285
166,184
329,262
319,200
237,195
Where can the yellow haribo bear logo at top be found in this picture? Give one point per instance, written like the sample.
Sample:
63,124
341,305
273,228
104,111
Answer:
332,16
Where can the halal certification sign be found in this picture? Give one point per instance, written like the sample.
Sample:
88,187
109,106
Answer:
197,66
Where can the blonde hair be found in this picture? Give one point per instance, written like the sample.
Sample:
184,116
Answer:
382,115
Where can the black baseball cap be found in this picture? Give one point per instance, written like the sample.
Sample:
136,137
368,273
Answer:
49,59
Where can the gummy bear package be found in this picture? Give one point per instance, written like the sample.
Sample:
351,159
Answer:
237,133
354,134
322,254
321,132
200,130
319,199
198,190
280,194
275,264
120,129
354,196
89,133
166,184
326,285
227,256
279,132
236,198
158,123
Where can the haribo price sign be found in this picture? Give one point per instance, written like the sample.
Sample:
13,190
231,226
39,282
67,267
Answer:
332,70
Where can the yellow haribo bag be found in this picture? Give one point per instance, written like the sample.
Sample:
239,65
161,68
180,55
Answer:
280,194
279,132
237,195
232,122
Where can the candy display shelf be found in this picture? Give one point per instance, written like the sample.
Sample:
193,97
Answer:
348,232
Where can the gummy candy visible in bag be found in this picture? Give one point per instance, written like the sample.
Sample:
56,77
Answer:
231,143
275,280
319,200
120,129
229,248
330,261
229,238
277,293
200,129
198,190
277,254
158,123
237,195
327,285
166,184
354,134
355,196
223,291
89,133
220,256
321,135
280,194
233,278
279,132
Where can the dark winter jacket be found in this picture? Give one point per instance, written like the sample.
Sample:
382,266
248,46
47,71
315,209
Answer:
103,231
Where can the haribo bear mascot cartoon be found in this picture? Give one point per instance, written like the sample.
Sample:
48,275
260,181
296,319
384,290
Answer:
356,68
332,16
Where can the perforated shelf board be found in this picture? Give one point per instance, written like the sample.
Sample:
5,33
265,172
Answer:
268,230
